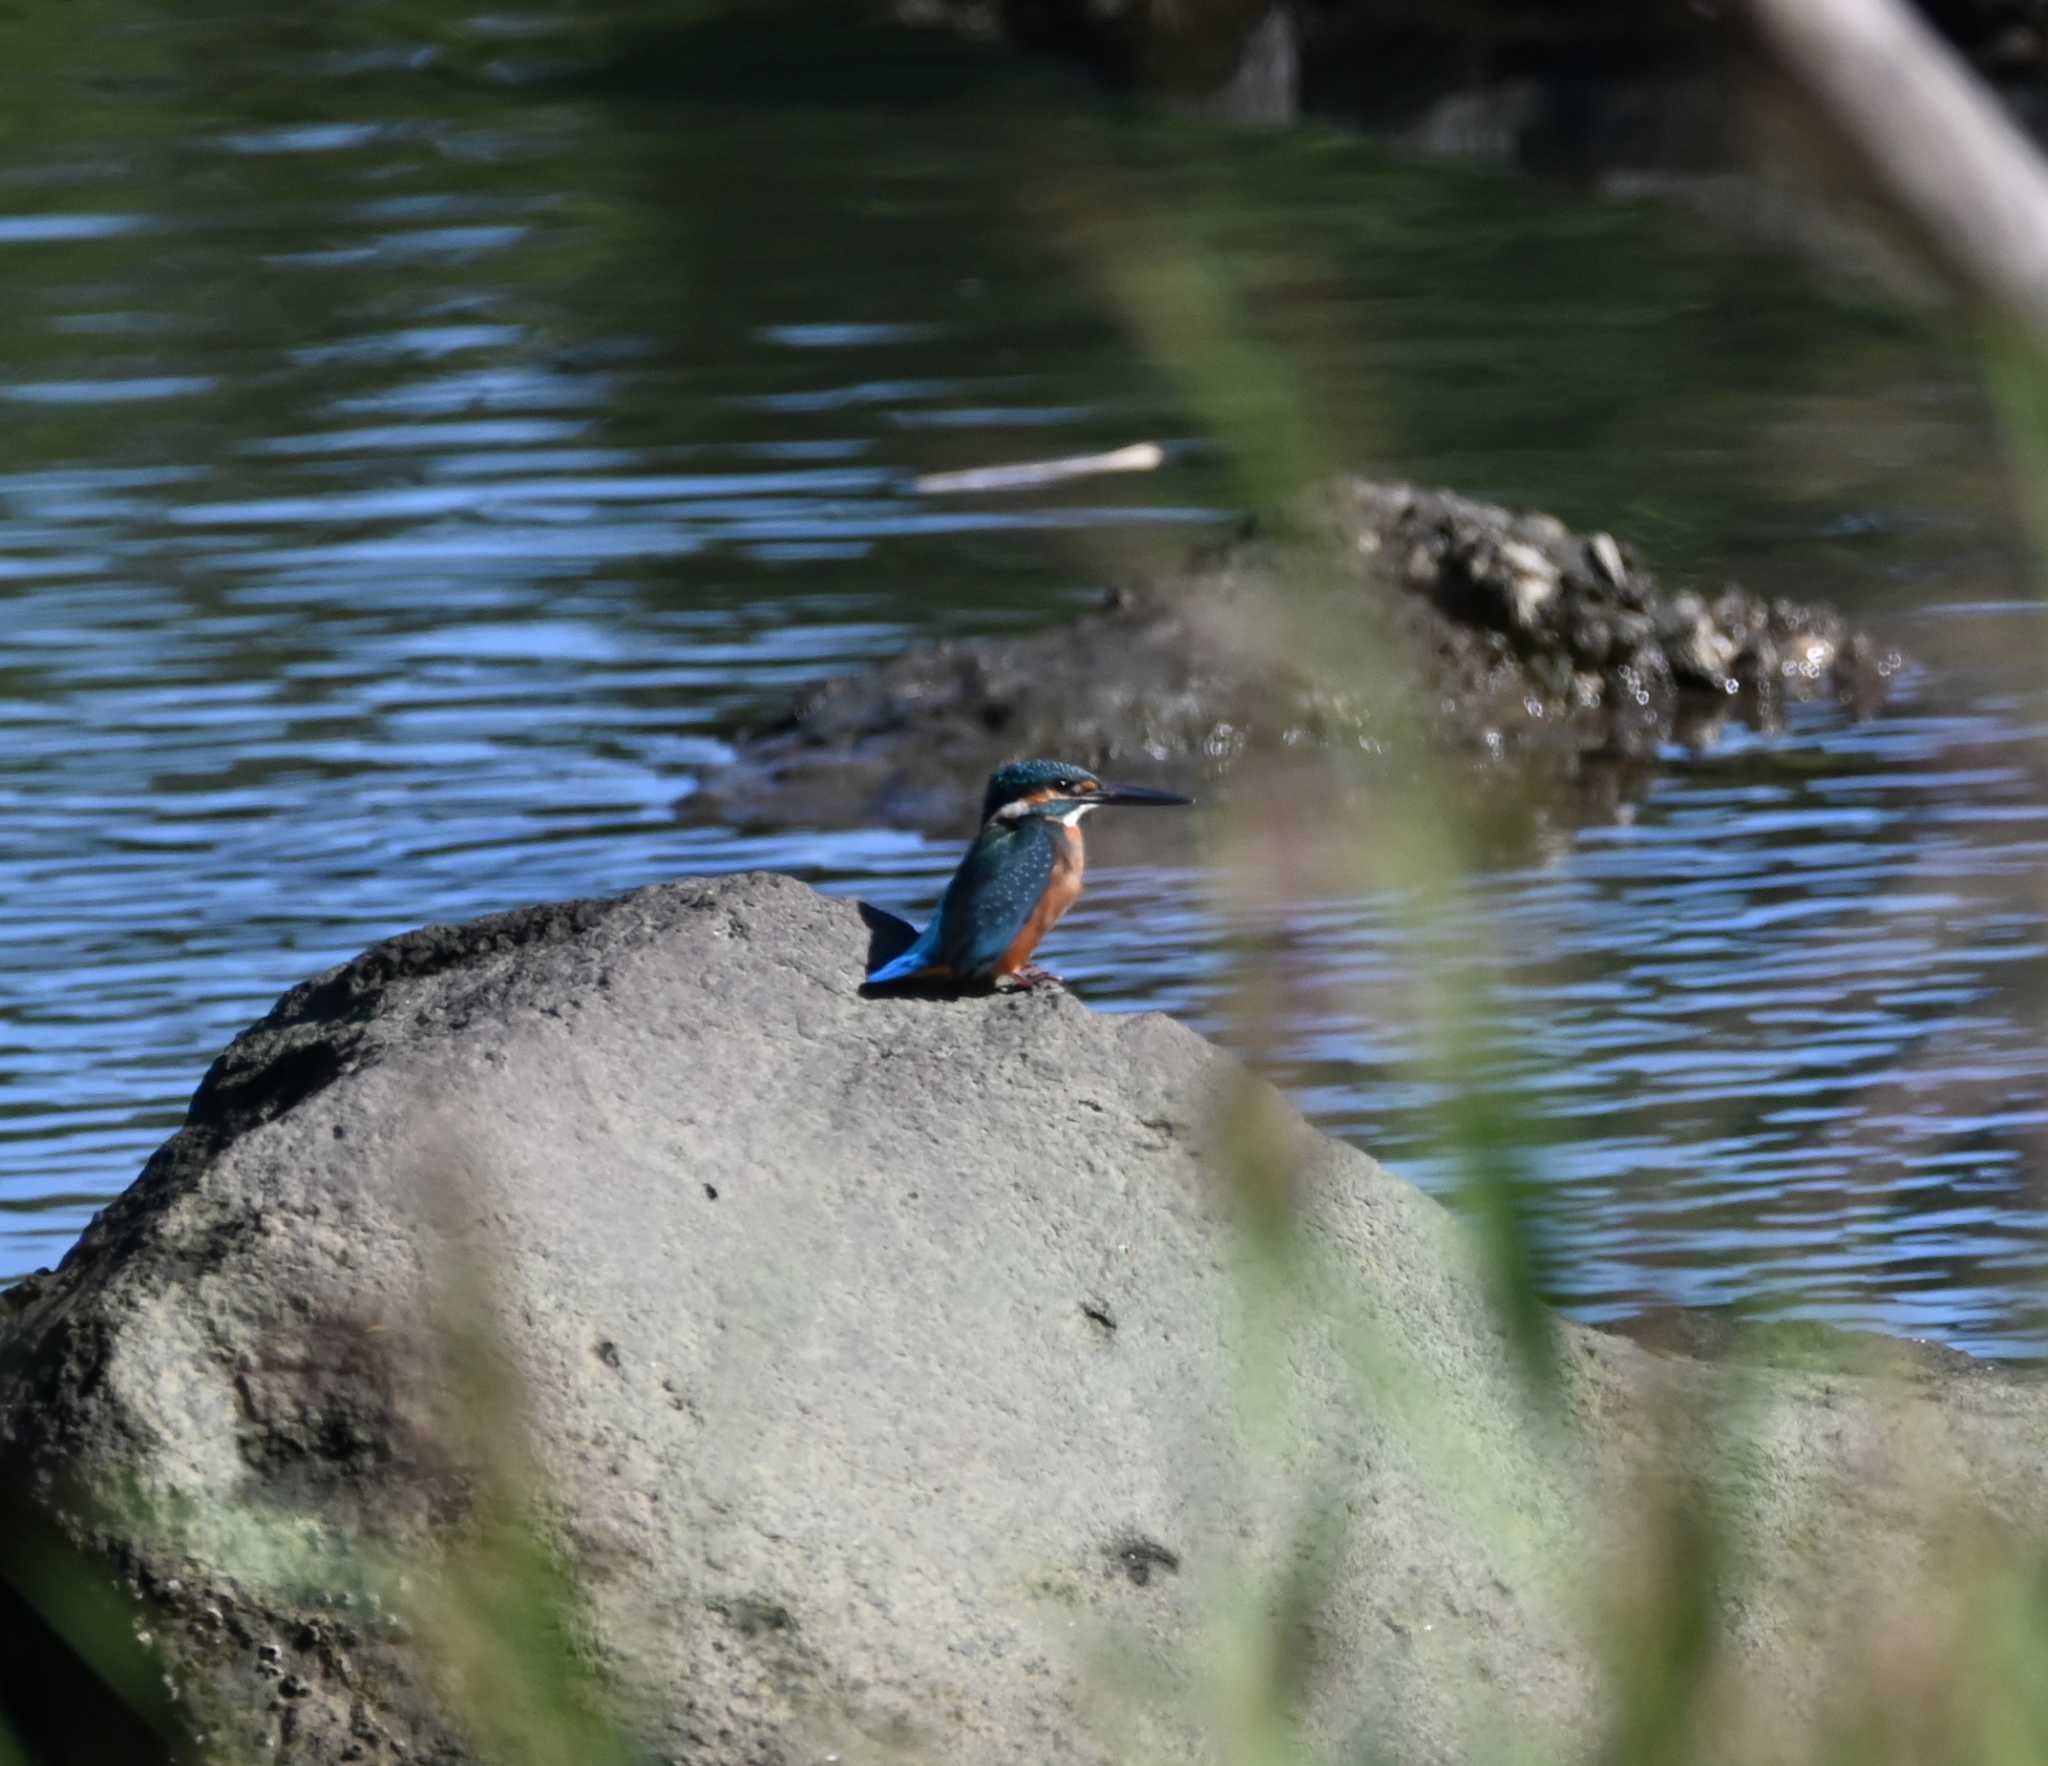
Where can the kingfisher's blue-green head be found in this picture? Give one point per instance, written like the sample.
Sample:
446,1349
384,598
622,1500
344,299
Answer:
1058,789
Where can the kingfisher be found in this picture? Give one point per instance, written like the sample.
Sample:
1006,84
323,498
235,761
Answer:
1020,875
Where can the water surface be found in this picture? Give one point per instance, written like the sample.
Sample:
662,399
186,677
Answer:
423,447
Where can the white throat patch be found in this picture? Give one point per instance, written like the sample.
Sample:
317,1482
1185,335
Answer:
1069,817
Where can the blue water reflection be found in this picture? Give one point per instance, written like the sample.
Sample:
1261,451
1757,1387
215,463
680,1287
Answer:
400,510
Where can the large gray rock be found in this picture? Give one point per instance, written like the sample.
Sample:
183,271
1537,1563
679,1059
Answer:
881,1378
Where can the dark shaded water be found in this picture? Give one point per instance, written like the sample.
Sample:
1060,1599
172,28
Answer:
419,452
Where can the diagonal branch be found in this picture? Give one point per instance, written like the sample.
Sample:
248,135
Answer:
1931,130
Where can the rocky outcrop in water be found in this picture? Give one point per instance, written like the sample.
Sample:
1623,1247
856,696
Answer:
606,1303
1377,618
1518,604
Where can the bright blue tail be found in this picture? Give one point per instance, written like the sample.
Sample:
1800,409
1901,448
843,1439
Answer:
919,956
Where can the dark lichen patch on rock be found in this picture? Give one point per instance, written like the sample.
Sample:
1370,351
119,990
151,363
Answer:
752,1614
1369,616
1139,1558
341,1408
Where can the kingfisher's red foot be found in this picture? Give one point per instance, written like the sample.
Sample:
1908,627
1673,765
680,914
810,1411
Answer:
1031,975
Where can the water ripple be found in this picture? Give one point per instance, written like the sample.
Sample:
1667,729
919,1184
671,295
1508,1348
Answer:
403,508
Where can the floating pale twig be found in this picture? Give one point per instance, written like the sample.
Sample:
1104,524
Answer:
1138,457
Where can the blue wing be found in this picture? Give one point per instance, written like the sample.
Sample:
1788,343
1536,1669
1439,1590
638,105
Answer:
994,893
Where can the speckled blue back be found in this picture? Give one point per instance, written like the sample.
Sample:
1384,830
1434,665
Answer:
996,890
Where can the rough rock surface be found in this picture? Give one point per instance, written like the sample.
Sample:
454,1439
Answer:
1375,617
890,1371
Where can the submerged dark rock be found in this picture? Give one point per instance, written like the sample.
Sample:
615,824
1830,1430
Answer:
1374,617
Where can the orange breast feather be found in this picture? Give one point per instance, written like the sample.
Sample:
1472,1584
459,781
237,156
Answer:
1060,895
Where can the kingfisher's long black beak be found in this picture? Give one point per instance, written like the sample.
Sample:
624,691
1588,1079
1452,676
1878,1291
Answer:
1136,794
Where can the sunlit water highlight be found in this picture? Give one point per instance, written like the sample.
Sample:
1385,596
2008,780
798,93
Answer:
398,512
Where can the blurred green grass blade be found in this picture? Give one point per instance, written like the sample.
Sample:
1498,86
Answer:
88,1643
2016,373
1503,1201
1662,1649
